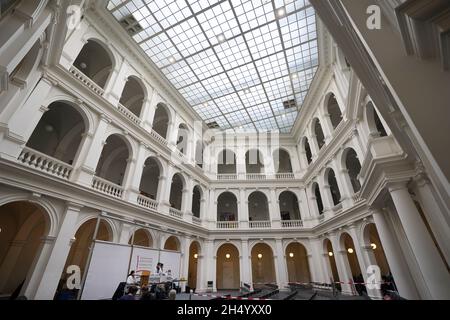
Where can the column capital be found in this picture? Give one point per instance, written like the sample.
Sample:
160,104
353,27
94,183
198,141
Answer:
396,186
73,206
105,118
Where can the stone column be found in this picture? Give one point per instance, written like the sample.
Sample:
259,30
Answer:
241,168
313,146
394,256
274,209
243,209
164,194
53,267
280,264
342,264
305,212
87,170
327,128
245,263
149,109
209,271
186,206
184,269
132,179
435,274
438,220
345,187
319,272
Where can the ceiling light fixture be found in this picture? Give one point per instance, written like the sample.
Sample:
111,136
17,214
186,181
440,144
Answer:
259,256
247,91
350,250
373,245
195,256
330,254
221,38
228,256
172,60
294,76
281,12
291,255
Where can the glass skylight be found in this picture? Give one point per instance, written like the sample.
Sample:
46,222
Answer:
244,64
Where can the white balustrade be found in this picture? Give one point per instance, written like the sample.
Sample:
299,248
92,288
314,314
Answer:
259,224
227,177
285,176
147,202
227,224
158,138
45,163
291,223
256,176
175,213
86,81
127,113
107,187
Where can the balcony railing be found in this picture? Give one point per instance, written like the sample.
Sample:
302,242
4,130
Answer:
175,213
227,224
107,187
127,113
86,80
256,176
291,223
158,138
45,163
196,220
227,177
147,202
285,176
259,224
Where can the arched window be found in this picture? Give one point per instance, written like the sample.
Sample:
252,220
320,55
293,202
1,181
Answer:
226,162
59,132
183,136
308,151
318,197
319,133
161,120
254,161
227,207
113,160
258,208
289,209
334,111
176,191
199,149
334,188
374,122
196,201
282,161
354,168
133,96
95,62
150,179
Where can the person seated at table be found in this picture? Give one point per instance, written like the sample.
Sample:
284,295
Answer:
131,294
146,294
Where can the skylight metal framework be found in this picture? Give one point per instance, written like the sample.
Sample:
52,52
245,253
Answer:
236,62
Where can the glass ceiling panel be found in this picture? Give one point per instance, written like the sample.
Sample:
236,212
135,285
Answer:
245,64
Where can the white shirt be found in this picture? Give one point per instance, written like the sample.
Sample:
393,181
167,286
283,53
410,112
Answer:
130,280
